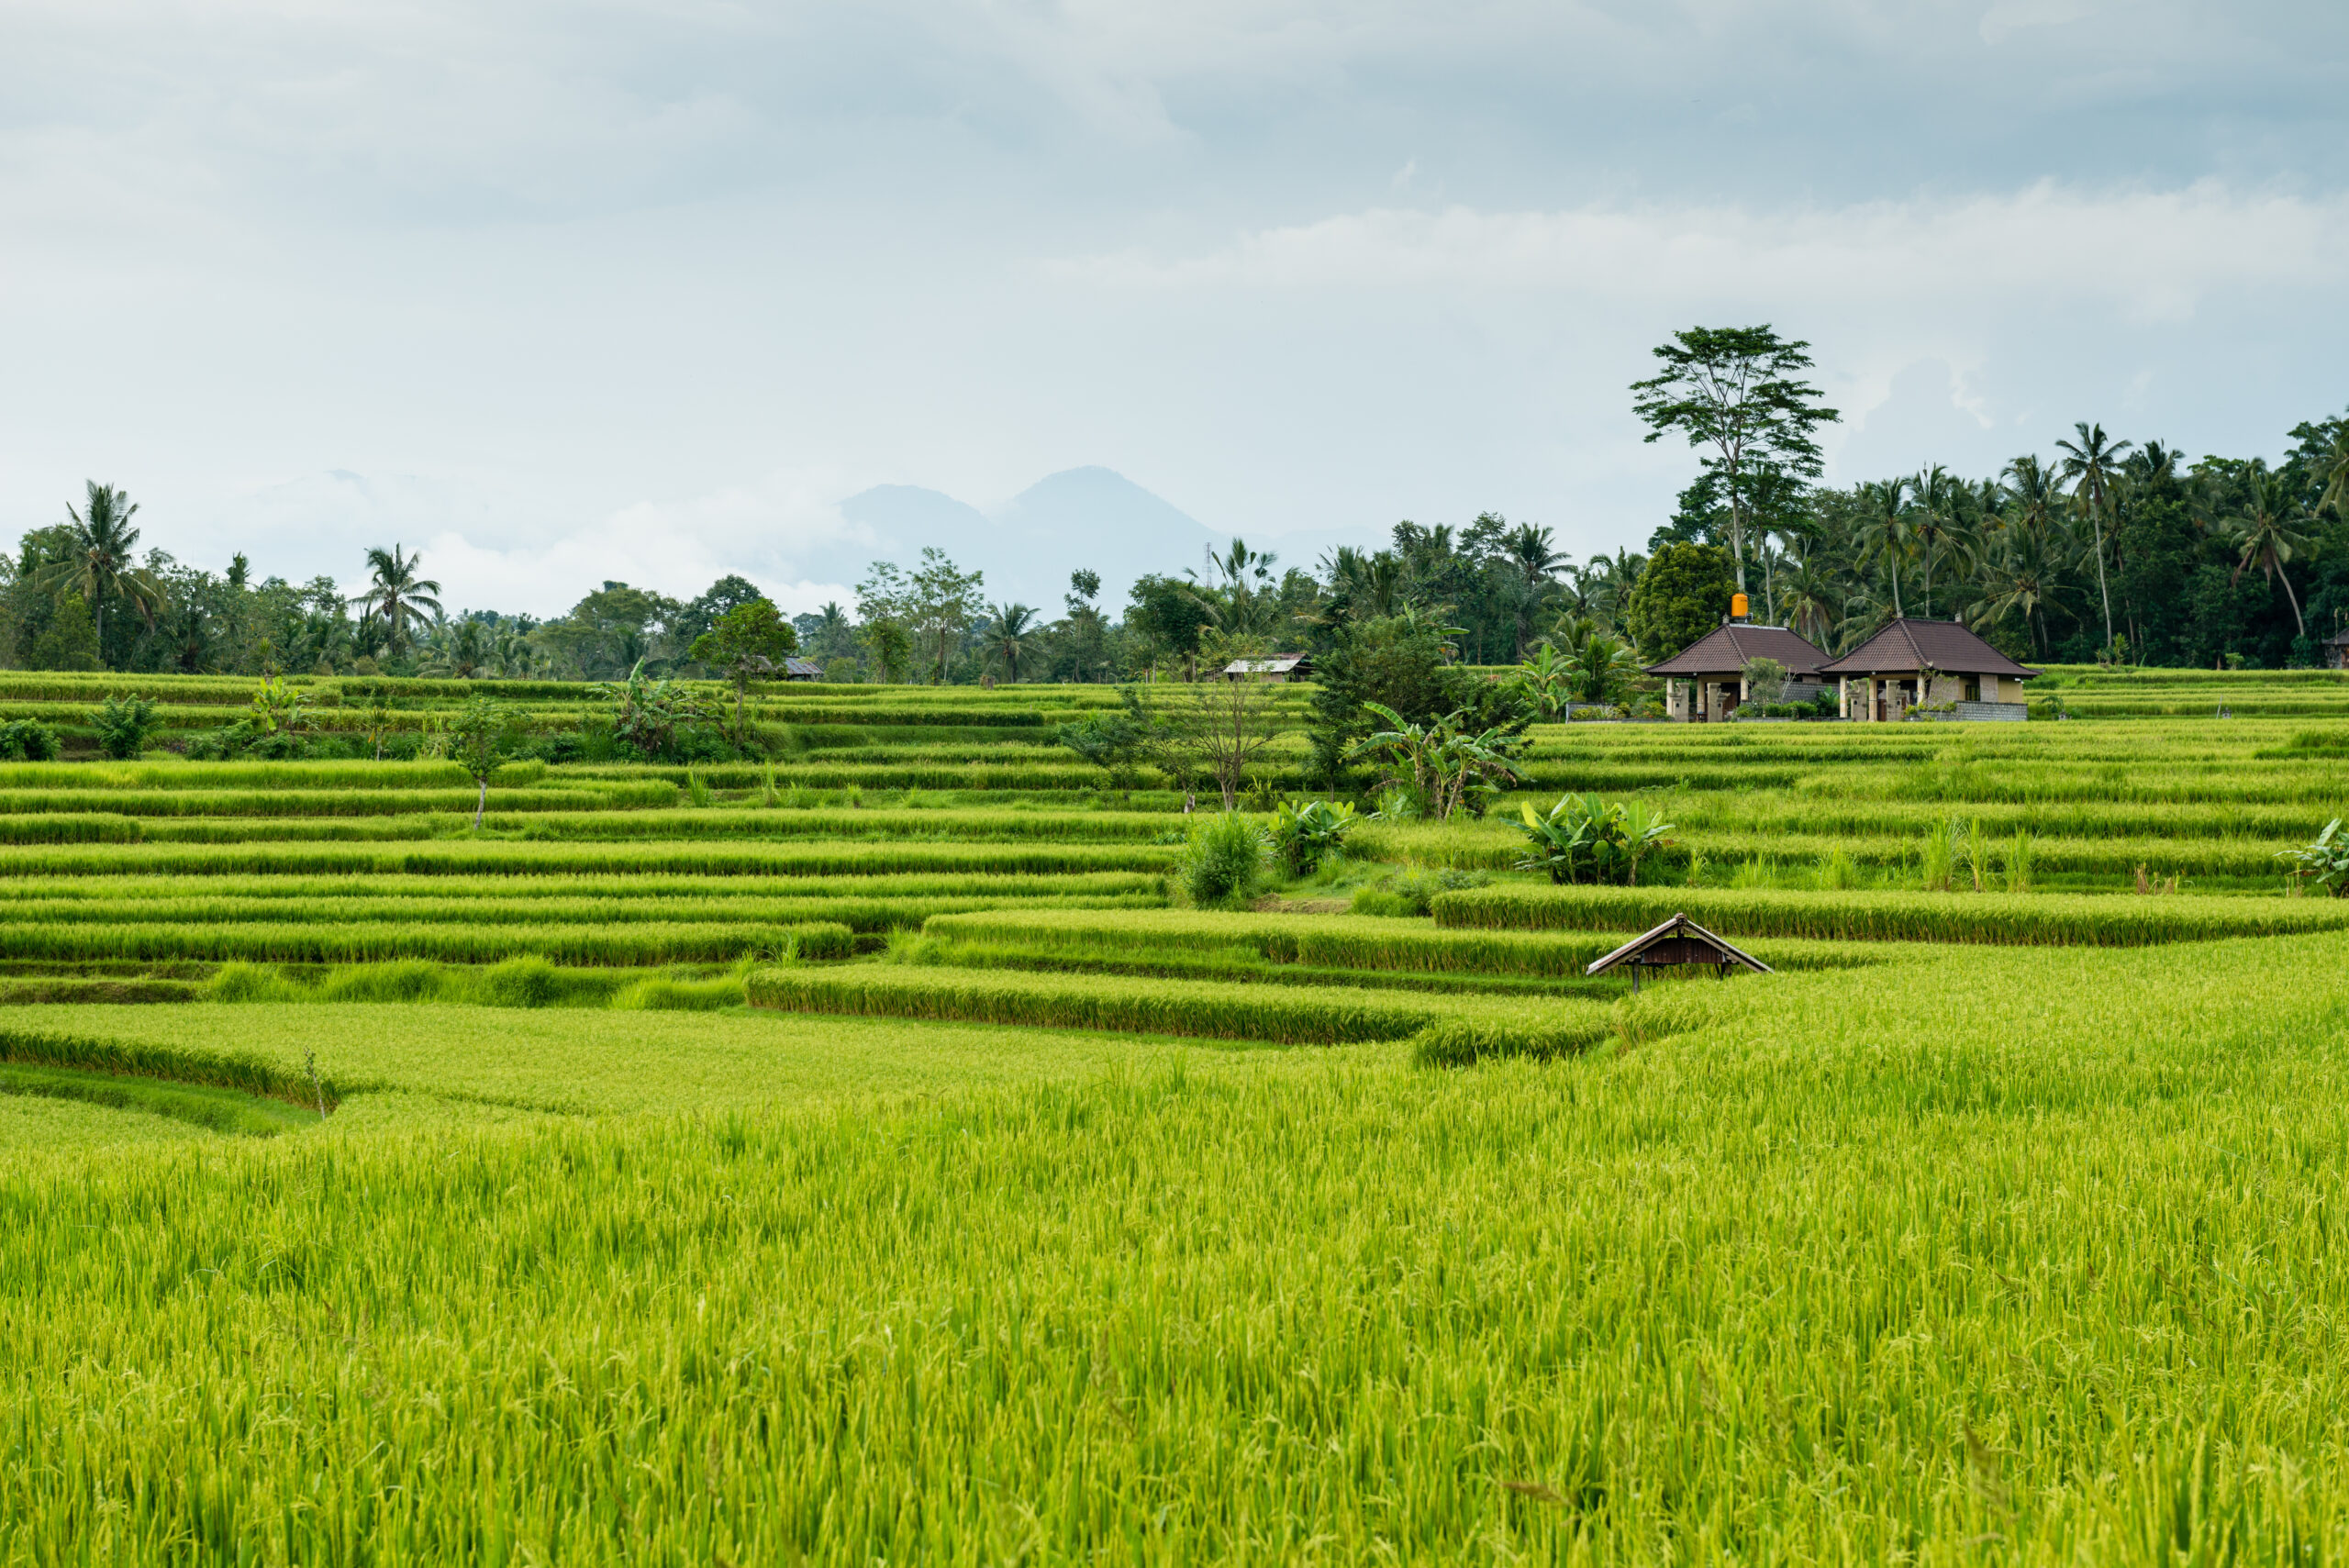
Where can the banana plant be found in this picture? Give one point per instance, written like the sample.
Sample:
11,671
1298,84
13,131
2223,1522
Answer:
1587,840
1547,681
1308,832
1441,761
2325,864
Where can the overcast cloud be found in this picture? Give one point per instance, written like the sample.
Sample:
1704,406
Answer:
568,292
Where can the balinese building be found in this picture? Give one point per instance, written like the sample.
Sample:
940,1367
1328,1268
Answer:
2335,650
1928,663
1706,679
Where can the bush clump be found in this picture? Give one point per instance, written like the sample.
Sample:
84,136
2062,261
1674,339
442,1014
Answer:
1222,862
28,740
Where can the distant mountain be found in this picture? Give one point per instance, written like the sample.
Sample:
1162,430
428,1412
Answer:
1088,518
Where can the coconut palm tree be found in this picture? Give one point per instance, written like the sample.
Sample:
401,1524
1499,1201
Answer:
2332,472
2265,534
1012,622
396,596
2093,464
1886,528
1935,520
99,564
1807,598
1538,561
2025,577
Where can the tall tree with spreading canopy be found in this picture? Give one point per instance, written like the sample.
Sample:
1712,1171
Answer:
747,642
1736,393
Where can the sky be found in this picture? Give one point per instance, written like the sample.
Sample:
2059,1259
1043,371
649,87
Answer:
644,289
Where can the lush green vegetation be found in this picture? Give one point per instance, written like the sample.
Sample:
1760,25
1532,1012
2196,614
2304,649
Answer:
718,1166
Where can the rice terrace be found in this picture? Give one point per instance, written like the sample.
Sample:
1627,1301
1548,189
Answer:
1057,783
890,1151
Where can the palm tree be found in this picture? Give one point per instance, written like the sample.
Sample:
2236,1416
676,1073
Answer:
2264,534
834,631
1807,597
2332,472
397,596
1534,554
2092,464
2025,577
99,564
1885,529
1936,521
1011,623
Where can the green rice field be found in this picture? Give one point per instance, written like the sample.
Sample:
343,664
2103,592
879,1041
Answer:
875,1156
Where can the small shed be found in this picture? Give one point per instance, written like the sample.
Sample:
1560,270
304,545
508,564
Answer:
802,670
1279,667
2336,650
1679,942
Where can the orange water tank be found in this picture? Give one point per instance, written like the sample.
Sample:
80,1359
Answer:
1737,607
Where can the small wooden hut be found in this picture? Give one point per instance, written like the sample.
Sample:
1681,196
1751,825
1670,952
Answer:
1679,942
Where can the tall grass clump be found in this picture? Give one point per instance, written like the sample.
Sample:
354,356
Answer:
1222,863
2018,863
1940,855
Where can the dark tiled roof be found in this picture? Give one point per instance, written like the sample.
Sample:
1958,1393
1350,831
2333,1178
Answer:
2338,639
1942,645
1724,652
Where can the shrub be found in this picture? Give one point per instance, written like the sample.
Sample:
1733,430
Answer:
1223,861
124,725
28,740
1306,833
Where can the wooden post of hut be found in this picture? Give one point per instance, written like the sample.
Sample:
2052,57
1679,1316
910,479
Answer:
1677,942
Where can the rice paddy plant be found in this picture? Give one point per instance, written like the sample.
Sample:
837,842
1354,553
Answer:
477,858
603,891
200,1104
2018,863
1134,1004
697,791
1320,941
645,942
2035,1248
2085,920
1939,856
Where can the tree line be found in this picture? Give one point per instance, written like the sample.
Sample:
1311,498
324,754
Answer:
2118,550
